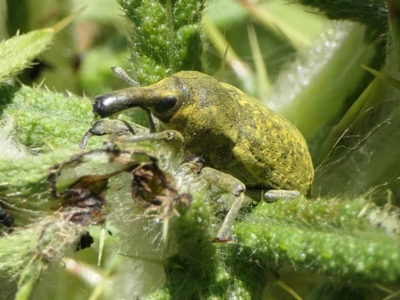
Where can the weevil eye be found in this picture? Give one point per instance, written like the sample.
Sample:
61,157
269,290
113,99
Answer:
165,104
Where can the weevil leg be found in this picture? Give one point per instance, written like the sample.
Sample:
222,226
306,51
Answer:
85,139
172,137
274,195
112,127
153,123
224,183
227,224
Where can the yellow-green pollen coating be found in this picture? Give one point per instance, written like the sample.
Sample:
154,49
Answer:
232,131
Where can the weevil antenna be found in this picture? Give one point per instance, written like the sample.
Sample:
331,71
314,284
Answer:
123,75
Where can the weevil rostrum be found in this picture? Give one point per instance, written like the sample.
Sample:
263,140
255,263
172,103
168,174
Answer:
234,133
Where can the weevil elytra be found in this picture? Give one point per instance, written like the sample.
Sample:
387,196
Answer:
233,132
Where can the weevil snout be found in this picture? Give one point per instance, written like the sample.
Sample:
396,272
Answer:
112,103
163,99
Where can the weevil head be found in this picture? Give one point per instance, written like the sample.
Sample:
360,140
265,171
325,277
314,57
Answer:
163,99
182,95
190,102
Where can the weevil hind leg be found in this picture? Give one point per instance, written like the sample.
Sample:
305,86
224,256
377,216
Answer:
274,195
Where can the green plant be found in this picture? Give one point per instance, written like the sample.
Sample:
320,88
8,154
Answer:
345,240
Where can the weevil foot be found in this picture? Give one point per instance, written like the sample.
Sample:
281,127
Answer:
230,239
274,195
112,127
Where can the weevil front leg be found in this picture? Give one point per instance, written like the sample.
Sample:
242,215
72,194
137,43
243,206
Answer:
111,127
170,137
119,127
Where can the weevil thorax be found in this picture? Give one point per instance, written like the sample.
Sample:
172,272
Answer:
204,112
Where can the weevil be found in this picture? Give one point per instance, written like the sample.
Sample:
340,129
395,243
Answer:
234,132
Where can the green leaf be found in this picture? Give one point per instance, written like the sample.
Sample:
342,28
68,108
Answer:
312,91
18,52
384,77
344,239
45,120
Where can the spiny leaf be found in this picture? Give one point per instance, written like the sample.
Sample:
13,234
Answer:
17,53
